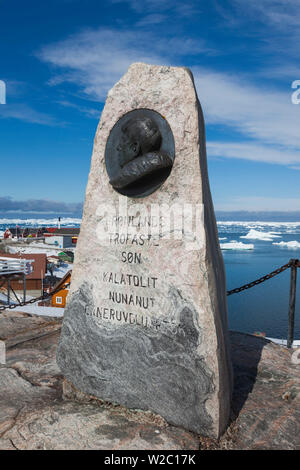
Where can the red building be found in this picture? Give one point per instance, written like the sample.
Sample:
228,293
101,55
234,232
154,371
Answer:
63,232
34,280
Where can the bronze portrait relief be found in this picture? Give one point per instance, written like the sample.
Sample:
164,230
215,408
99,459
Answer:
139,153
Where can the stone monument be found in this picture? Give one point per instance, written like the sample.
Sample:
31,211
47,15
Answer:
146,319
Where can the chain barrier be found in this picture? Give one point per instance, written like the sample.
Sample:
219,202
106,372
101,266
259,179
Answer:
35,299
291,263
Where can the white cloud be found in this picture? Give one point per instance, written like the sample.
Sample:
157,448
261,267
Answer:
187,8
273,25
257,112
278,13
254,152
96,59
90,112
26,113
151,20
13,109
147,5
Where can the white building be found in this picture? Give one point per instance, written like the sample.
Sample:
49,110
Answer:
59,241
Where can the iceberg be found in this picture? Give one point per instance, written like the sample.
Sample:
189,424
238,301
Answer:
237,246
293,245
257,235
258,224
42,222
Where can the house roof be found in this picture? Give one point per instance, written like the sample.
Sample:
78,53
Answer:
30,230
70,231
39,265
62,280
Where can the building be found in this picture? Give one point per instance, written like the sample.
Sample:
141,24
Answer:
59,299
60,241
65,232
13,269
54,260
66,256
26,232
34,280
7,233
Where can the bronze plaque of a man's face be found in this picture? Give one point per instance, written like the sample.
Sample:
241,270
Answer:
140,152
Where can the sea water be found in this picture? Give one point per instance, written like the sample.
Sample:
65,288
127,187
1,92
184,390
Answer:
250,250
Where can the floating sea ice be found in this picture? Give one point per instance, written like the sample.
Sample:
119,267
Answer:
65,221
237,246
293,245
257,235
258,224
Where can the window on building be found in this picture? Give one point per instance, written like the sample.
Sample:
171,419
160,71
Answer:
59,300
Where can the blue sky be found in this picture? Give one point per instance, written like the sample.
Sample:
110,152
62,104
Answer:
59,58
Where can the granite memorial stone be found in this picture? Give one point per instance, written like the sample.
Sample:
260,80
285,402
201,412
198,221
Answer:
146,319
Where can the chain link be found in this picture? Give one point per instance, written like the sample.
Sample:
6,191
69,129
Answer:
291,263
36,299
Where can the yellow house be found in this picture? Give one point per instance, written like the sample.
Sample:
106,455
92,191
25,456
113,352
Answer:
59,299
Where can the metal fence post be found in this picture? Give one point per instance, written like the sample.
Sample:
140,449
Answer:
293,282
8,290
24,287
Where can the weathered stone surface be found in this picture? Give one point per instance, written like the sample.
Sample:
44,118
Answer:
265,408
31,343
266,399
5,444
35,360
30,378
30,396
171,355
18,394
15,327
90,426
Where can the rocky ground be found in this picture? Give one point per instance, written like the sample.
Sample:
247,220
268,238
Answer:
34,414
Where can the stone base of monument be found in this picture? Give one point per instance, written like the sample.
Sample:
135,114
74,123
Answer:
34,415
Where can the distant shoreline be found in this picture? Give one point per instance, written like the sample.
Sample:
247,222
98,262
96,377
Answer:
44,218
